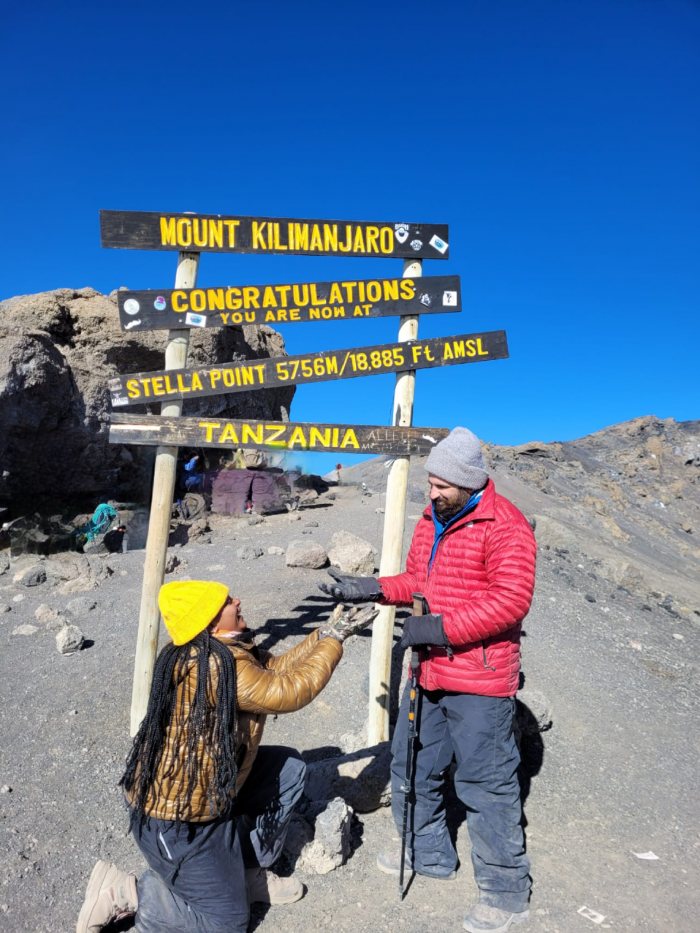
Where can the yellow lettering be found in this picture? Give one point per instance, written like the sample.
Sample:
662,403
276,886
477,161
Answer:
386,240
269,298
258,231
168,235
274,431
158,384
391,290
216,233
196,382
209,430
178,297
408,288
251,434
350,440
358,242
372,234
330,238
447,352
316,239
251,296
231,226
132,388
374,291
229,434
184,231
480,347
347,245
197,299
319,438
297,437
300,236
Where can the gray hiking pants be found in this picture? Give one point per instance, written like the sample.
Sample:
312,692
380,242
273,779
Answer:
196,879
478,732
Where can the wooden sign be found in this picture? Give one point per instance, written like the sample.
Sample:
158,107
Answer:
219,233
273,435
219,306
140,388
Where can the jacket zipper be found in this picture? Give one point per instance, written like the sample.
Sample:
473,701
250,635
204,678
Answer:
486,663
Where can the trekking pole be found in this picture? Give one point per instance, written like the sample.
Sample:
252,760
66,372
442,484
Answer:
407,786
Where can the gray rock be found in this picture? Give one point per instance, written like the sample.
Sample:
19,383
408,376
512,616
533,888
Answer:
330,845
173,562
81,605
50,618
5,607
255,520
306,554
32,576
275,549
4,562
25,630
249,553
69,640
352,554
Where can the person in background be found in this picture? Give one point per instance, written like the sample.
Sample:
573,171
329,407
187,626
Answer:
472,557
209,807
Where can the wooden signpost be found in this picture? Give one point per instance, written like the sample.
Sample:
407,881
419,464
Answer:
233,234
368,439
186,306
226,305
139,388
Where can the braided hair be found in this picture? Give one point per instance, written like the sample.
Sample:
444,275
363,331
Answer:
208,728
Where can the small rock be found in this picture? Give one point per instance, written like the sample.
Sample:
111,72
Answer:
69,640
25,630
81,605
306,554
249,553
678,636
274,549
5,789
589,598
32,576
310,524
330,846
352,554
18,598
5,607
255,520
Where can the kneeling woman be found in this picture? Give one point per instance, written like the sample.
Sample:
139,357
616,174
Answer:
209,808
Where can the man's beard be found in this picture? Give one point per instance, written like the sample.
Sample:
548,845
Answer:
447,511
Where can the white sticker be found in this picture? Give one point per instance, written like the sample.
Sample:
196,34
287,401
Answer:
195,320
425,299
416,244
131,306
401,232
131,324
160,303
449,299
439,244
118,400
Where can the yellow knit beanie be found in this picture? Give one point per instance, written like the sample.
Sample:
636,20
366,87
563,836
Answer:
188,606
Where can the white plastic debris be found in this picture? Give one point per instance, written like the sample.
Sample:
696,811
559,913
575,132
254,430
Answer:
649,856
591,914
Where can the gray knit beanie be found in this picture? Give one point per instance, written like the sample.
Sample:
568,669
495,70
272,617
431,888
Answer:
457,459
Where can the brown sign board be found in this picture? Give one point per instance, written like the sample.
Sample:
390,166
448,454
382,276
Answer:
351,299
273,435
141,388
198,233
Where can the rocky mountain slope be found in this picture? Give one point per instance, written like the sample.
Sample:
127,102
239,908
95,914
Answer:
58,350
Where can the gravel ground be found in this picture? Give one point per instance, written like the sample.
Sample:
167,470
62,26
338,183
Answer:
615,777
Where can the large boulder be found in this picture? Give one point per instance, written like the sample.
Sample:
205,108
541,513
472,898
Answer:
58,351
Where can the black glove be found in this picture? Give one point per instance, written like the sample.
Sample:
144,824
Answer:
347,589
423,630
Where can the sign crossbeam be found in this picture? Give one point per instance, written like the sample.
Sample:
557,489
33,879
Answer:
280,436
225,305
234,234
140,388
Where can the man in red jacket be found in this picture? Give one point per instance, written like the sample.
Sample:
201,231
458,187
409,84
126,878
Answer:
473,558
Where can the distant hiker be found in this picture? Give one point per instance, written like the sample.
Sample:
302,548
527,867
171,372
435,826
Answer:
194,478
473,558
209,807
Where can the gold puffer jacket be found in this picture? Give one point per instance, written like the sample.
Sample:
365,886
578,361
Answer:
265,683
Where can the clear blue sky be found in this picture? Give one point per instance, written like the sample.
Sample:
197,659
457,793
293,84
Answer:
559,139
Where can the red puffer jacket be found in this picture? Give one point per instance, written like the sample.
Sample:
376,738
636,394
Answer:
481,582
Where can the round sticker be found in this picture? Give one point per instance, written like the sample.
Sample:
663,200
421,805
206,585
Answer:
160,303
131,306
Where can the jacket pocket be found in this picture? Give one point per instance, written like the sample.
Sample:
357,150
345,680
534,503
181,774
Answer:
484,657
